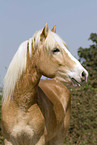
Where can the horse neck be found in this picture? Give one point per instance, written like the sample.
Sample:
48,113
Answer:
26,88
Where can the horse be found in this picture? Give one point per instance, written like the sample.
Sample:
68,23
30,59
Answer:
37,111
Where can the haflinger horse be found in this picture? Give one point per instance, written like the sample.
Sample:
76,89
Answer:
36,111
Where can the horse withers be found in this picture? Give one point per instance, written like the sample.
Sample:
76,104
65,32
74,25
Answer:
35,111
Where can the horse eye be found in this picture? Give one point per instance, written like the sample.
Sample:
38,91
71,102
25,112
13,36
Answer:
56,50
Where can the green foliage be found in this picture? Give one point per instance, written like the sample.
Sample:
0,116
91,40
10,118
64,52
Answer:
88,57
83,120
93,37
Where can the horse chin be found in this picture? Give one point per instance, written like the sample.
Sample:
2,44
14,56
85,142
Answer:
75,82
69,81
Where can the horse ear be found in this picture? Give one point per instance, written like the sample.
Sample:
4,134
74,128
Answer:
45,31
54,29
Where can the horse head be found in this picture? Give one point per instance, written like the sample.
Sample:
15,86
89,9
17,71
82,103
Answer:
54,59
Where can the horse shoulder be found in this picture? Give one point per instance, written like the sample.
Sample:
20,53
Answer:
9,112
60,92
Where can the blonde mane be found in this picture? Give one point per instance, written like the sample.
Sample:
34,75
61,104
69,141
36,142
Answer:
18,63
17,66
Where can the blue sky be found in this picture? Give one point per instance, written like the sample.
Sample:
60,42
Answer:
19,19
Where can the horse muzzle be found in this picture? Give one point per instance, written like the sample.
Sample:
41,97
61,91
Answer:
78,81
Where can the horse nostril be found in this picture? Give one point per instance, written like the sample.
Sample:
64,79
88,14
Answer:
83,76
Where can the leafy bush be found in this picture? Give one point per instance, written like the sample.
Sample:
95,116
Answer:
83,120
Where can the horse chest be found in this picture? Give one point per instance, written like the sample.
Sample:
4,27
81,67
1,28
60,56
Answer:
22,132
25,128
